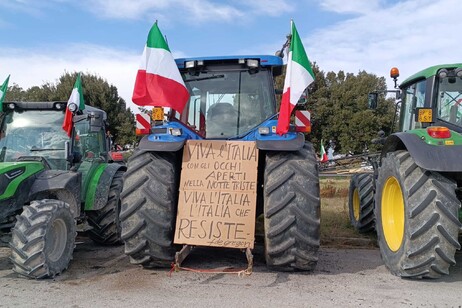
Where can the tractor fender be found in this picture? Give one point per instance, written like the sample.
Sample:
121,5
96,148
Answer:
161,146
98,189
58,184
441,158
281,143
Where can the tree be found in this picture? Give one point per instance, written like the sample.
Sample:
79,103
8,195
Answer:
339,111
338,102
15,93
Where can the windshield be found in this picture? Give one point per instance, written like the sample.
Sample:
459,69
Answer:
450,100
33,133
225,104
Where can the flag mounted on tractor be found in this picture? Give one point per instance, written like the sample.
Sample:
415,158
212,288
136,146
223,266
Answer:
299,75
323,156
74,104
3,89
158,82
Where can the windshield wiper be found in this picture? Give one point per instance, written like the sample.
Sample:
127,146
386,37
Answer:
206,78
50,149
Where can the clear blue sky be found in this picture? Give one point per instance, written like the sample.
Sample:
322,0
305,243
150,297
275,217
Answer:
41,39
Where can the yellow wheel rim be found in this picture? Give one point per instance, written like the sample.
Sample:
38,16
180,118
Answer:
356,202
392,213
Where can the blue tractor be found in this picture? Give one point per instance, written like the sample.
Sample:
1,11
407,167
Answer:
231,98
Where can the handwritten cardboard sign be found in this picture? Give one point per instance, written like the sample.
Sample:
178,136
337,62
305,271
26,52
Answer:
217,199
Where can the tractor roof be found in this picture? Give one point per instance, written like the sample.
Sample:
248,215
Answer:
55,105
267,60
428,72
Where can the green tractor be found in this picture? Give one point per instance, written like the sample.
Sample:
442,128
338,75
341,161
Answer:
52,185
417,180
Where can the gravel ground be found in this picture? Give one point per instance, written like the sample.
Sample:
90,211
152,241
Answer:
103,277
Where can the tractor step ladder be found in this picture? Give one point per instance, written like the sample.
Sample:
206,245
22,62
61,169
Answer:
181,255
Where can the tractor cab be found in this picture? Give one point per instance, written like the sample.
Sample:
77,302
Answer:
89,139
34,133
436,95
230,96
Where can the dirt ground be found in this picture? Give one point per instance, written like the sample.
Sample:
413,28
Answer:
103,277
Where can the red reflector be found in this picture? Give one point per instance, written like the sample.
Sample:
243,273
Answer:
306,129
439,132
142,131
116,156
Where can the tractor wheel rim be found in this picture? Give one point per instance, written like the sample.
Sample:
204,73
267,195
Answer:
57,239
356,203
392,213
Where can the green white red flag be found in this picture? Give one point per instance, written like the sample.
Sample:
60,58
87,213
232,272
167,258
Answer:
299,75
77,99
3,90
158,82
323,157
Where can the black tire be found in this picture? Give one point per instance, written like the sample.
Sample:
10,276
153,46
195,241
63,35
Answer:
105,222
43,239
292,210
149,206
417,220
361,202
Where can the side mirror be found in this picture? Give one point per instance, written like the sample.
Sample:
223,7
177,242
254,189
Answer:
372,99
381,138
66,150
76,157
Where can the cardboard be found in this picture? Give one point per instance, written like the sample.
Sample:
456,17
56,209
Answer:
218,192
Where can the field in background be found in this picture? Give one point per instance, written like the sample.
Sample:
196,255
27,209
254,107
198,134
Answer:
336,230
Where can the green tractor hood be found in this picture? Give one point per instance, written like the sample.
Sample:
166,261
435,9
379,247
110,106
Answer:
12,174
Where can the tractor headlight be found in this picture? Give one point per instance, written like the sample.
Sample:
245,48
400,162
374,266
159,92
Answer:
193,63
190,64
59,106
72,107
11,106
443,73
251,63
458,72
264,130
175,131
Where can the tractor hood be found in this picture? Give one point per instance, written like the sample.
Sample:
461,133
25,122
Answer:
12,174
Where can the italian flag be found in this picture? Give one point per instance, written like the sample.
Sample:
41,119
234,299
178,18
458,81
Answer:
158,82
3,90
299,75
77,99
323,155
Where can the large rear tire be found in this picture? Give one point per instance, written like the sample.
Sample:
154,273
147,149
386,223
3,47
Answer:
361,202
43,239
417,222
149,205
105,222
292,210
